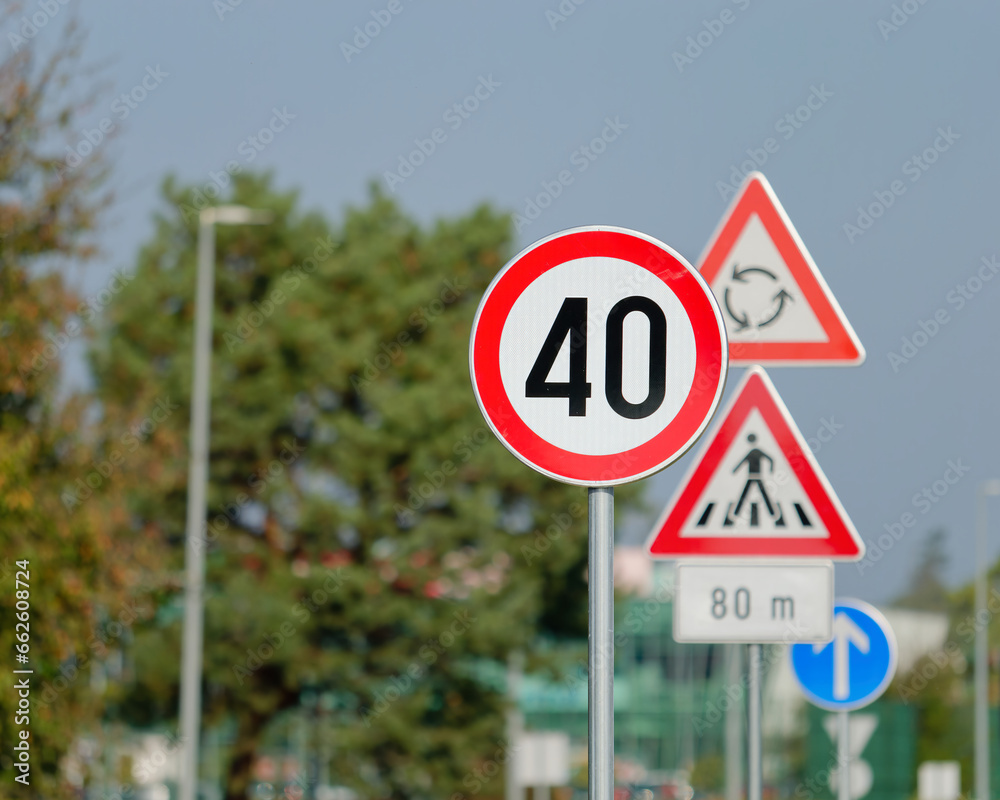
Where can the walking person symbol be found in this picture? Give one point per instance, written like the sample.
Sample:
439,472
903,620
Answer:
754,461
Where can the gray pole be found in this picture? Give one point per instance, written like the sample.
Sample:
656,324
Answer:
196,509
515,726
844,755
982,665
601,645
734,738
754,776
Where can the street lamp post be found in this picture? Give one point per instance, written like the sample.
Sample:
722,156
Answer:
986,489
194,600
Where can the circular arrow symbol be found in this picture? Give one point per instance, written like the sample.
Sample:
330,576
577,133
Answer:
780,298
743,318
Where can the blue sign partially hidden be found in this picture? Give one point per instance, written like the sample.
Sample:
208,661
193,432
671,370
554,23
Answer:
855,667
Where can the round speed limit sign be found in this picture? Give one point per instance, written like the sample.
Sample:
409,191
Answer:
598,355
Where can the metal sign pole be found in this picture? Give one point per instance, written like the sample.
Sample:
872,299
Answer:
734,734
601,644
515,726
844,756
754,777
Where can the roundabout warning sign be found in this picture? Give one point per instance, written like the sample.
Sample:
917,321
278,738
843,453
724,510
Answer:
777,307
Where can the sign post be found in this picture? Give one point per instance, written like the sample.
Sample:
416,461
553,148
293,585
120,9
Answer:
754,737
598,356
601,643
844,755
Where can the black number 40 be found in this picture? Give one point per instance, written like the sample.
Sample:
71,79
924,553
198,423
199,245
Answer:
571,321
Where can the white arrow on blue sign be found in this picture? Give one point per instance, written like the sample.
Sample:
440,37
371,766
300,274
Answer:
855,667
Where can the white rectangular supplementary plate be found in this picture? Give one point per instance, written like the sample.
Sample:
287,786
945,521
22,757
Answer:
754,602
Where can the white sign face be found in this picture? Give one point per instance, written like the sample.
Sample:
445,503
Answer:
753,602
542,759
598,356
939,780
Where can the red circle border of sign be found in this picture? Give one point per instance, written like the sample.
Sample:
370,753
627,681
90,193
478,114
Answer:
711,349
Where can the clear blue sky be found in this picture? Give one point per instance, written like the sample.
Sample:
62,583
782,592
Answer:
888,89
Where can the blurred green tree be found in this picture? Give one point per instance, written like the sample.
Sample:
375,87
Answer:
73,608
937,684
367,536
927,590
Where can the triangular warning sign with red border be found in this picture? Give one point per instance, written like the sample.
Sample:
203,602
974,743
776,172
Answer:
756,490
778,309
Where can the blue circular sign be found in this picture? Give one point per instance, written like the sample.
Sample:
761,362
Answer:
854,668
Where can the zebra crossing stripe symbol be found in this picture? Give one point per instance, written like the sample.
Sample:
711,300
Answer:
755,479
755,490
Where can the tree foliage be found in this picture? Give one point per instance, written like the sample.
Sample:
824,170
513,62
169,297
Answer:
927,590
77,578
367,537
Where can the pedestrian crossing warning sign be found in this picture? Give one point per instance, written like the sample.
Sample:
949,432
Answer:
756,490
778,309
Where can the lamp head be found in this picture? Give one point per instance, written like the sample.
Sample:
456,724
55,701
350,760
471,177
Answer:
234,215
